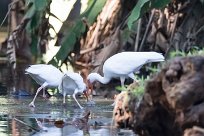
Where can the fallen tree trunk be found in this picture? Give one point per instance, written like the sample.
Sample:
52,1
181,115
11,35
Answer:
173,102
177,95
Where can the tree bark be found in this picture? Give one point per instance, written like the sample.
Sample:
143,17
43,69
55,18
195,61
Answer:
175,99
18,47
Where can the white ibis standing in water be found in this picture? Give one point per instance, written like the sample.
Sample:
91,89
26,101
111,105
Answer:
71,84
44,75
49,76
123,65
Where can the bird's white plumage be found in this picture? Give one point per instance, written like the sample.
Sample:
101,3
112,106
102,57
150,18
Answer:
70,82
123,65
49,76
128,62
42,73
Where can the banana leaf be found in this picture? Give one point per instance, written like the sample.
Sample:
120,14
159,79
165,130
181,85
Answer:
74,33
36,10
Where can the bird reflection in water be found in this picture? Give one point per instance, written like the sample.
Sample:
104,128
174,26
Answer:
67,127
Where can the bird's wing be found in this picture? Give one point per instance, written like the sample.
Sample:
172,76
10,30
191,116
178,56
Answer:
40,68
67,84
43,72
123,63
128,62
73,80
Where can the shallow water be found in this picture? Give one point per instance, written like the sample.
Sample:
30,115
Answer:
17,118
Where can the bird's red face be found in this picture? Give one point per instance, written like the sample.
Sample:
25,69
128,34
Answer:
90,87
88,91
86,95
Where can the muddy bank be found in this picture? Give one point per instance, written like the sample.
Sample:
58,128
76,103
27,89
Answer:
173,102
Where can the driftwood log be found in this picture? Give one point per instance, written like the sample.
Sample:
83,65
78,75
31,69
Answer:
173,102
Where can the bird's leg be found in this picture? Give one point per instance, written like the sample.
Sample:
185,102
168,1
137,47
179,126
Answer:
44,96
40,88
64,100
122,80
32,102
77,101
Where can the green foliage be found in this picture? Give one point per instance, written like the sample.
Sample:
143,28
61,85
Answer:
137,11
36,11
138,91
142,7
153,69
74,33
193,52
121,88
177,53
41,5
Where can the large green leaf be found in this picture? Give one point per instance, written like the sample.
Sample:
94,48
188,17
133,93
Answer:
38,4
143,6
73,34
34,6
41,5
136,12
159,3
36,10
94,7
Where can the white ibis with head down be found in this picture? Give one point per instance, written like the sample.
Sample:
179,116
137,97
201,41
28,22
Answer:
49,76
71,84
123,65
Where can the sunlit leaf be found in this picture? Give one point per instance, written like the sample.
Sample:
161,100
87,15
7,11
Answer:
73,34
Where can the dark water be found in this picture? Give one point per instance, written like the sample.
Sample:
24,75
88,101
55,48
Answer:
18,119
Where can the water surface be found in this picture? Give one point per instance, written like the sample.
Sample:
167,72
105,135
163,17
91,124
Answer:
17,118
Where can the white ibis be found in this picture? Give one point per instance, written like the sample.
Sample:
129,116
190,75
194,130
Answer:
123,65
49,76
44,75
71,84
